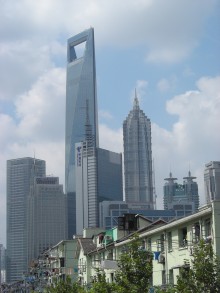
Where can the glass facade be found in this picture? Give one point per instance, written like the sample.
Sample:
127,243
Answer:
98,177
20,178
183,198
46,215
212,181
138,157
109,175
81,103
2,264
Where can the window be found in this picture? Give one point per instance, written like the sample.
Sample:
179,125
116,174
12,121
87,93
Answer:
110,255
183,237
207,228
196,233
160,243
149,244
143,244
171,278
112,277
62,262
169,241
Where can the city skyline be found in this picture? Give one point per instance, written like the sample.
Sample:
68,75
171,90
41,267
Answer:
168,51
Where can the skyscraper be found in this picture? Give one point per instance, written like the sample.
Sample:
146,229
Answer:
138,157
212,181
2,264
80,99
46,215
183,198
20,178
98,178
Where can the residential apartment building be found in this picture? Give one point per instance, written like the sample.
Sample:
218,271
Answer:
171,244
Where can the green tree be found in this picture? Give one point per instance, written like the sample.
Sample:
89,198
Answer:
100,285
66,286
204,274
135,268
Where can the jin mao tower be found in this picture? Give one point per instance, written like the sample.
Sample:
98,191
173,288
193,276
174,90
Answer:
138,157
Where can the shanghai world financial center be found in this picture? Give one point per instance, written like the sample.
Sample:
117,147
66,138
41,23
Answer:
81,101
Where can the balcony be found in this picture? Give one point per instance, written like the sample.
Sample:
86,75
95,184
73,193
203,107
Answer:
109,264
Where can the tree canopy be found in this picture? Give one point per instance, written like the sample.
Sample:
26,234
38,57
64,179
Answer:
135,268
204,274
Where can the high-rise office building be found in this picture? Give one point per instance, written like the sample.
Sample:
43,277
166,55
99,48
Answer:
109,175
109,211
80,99
212,181
138,157
46,215
20,178
2,264
183,198
98,178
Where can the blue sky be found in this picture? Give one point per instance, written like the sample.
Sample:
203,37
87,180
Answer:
167,50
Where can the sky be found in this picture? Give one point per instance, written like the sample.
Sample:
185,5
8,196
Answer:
167,50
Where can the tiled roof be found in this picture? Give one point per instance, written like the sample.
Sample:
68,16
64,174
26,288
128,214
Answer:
87,244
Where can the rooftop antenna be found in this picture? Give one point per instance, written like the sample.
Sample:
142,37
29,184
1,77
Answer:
170,171
136,102
189,170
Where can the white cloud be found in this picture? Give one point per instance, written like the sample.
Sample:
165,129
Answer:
110,139
21,62
37,108
188,71
167,29
167,84
140,88
163,85
194,137
105,115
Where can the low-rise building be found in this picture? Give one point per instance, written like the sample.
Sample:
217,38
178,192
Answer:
171,244
54,264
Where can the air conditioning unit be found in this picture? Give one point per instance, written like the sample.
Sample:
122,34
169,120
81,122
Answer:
208,239
161,258
108,237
